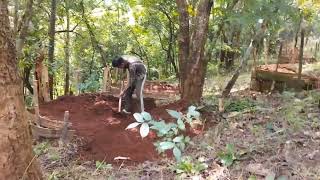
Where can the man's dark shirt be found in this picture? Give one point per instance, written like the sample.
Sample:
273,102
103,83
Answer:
137,69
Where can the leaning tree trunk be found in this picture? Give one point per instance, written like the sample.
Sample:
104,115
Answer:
191,50
256,39
16,158
51,44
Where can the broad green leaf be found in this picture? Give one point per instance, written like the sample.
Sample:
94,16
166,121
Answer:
166,145
227,160
182,146
133,125
178,139
144,130
174,114
252,177
282,178
181,124
195,114
187,139
177,153
271,176
146,116
191,108
138,117
230,148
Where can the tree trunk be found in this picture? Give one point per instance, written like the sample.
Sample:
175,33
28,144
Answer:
67,52
15,17
16,158
51,44
301,53
22,29
266,51
183,39
191,50
26,76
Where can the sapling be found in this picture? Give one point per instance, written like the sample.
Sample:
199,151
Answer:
169,133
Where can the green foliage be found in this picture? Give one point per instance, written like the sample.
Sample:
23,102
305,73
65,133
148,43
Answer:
228,157
54,156
41,148
292,110
102,166
252,177
239,105
92,84
170,133
189,166
54,176
28,100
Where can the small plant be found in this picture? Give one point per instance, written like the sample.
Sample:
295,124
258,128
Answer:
256,130
53,176
41,148
292,111
54,156
239,105
170,133
187,165
228,157
102,165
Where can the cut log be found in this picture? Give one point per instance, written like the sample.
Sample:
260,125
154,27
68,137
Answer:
38,132
285,78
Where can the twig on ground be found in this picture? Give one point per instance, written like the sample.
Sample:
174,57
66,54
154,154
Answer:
26,170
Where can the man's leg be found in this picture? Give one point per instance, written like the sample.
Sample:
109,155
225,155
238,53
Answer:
128,98
139,92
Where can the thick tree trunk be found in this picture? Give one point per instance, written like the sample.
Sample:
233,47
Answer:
51,44
191,50
67,53
16,158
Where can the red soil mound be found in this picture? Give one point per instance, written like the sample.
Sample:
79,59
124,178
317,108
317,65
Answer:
95,118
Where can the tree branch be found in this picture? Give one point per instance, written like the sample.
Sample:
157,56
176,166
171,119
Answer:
66,30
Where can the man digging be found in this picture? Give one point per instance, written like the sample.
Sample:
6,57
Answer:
137,77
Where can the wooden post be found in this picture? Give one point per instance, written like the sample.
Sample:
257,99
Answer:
64,132
36,102
106,79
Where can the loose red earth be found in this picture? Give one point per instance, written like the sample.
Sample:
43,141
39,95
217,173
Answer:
96,120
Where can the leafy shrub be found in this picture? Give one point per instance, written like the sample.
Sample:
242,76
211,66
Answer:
228,156
170,133
189,166
239,105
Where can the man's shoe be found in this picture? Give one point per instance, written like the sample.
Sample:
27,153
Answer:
125,111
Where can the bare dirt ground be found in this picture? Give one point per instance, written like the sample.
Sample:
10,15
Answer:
274,136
